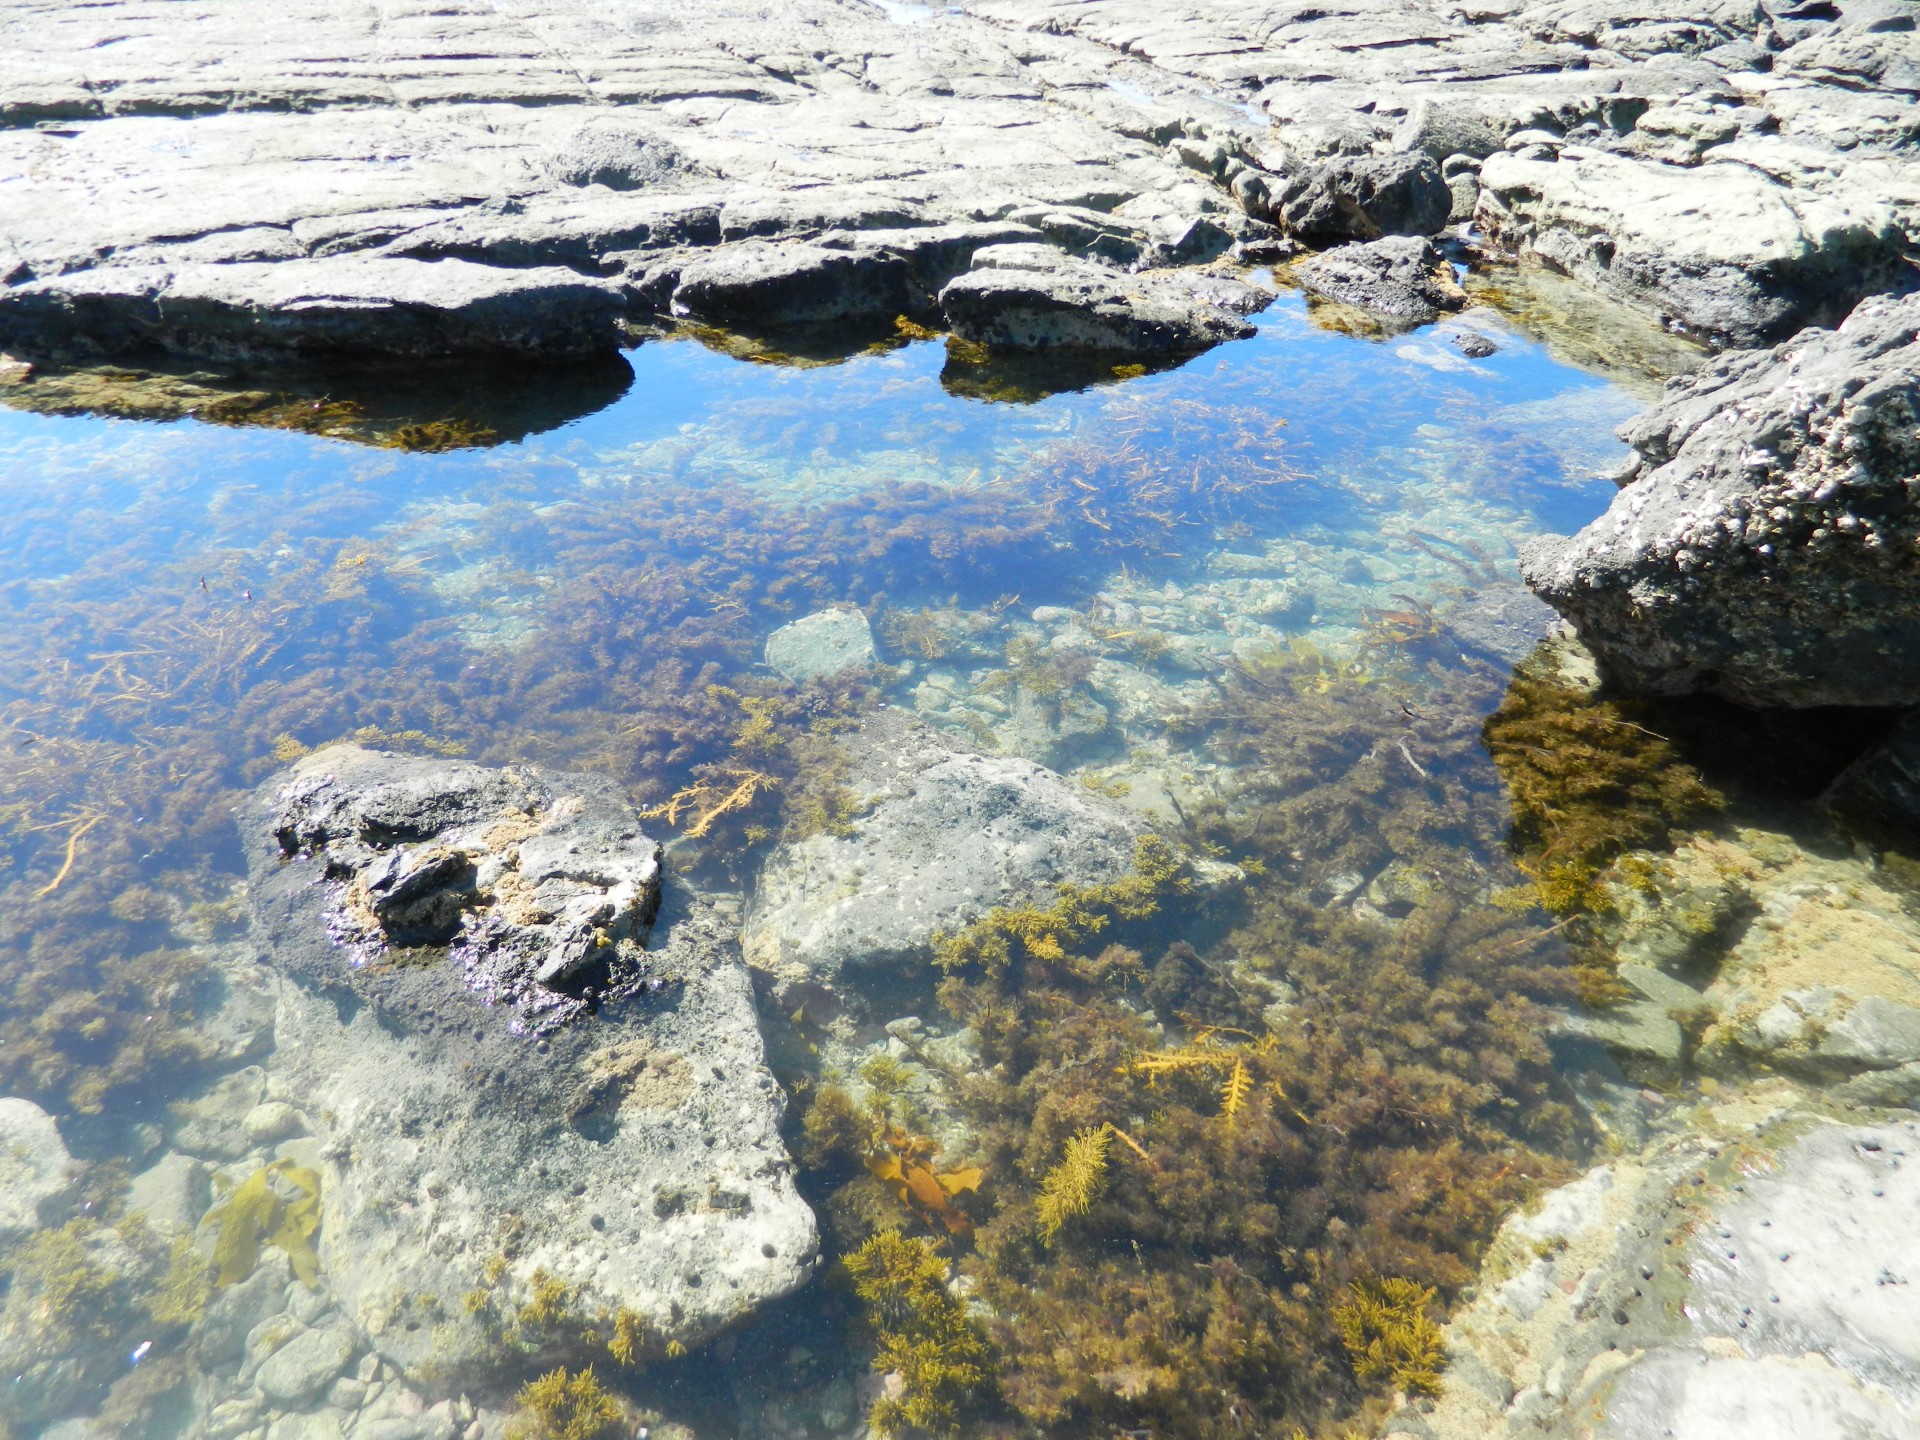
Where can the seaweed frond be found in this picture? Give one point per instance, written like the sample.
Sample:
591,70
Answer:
260,1211
1388,1333
707,802
559,1406
926,1340
1071,1187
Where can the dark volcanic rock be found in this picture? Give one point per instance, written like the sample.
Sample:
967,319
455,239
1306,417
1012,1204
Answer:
1404,277
762,284
631,1150
1763,548
1031,297
1362,197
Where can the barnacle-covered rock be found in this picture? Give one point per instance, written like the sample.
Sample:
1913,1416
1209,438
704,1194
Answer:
1763,547
537,1088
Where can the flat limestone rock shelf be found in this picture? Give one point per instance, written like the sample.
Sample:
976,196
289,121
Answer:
418,913
1739,171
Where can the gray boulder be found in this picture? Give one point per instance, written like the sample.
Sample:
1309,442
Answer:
620,155
1362,197
823,643
946,835
1032,297
35,1169
1403,277
1763,546
514,1071
1882,787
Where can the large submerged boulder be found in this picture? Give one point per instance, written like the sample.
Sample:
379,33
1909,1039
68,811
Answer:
946,834
522,1072
1763,548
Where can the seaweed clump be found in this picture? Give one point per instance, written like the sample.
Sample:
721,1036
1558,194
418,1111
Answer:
277,1205
1588,782
1350,1082
937,1362
563,1406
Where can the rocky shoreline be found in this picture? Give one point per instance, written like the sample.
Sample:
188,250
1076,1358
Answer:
458,180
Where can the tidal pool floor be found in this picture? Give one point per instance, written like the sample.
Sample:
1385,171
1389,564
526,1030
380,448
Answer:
1265,600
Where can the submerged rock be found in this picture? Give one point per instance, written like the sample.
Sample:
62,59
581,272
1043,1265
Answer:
946,835
35,1169
1763,546
1403,277
629,1155
823,643
1033,297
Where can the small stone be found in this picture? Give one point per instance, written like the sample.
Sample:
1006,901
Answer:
273,1120
172,1195
310,1360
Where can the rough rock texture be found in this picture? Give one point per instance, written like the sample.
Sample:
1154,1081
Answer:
1763,547
1403,277
1031,297
945,836
35,1169
1722,250
631,1150
615,140
1882,787
1363,198
1751,1285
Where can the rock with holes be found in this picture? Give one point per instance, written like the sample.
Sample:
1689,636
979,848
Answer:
1403,278
530,1073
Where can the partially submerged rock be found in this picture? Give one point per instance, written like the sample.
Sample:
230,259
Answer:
1403,278
630,1155
1763,546
1363,198
311,307
1752,1287
946,834
1032,297
1723,250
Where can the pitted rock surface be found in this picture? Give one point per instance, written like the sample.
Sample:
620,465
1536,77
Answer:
1763,545
629,1148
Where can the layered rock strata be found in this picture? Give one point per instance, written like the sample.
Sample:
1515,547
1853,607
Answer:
531,178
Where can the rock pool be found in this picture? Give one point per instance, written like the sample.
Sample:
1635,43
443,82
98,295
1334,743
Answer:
1123,791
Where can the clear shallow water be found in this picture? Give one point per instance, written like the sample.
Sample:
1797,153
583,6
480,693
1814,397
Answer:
187,605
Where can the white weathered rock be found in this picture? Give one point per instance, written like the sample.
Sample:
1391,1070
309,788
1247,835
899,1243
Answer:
479,1118
173,1194
312,1359
945,836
